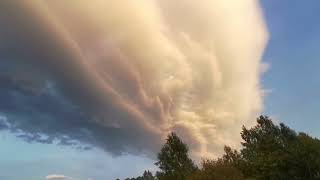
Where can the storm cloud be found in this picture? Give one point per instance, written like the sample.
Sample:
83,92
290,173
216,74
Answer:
121,74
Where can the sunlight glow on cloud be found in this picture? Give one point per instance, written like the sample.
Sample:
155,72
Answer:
140,69
56,177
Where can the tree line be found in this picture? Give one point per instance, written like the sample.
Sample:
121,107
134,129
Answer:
269,152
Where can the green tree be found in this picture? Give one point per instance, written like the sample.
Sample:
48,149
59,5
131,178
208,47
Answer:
269,152
273,152
147,175
225,167
173,160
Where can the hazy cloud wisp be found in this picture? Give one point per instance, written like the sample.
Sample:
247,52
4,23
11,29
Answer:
56,177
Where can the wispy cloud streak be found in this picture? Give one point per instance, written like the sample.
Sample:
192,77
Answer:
56,177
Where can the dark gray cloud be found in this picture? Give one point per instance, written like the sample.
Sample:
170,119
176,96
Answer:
44,92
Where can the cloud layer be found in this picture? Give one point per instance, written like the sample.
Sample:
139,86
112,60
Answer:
121,74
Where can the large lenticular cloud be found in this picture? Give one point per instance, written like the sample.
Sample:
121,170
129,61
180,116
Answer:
121,74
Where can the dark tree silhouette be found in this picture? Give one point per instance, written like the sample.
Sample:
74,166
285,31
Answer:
173,160
223,168
147,175
269,152
278,152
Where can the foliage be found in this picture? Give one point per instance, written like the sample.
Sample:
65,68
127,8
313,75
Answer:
173,160
277,152
225,168
147,175
269,152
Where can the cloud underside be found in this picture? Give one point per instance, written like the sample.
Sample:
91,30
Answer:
120,75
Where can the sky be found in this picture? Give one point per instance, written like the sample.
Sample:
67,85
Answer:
292,54
89,94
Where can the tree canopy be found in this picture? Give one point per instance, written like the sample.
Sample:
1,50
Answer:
173,160
269,152
278,152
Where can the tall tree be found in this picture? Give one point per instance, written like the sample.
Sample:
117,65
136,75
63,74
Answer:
173,160
277,152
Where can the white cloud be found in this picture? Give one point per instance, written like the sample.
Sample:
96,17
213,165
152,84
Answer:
57,177
143,69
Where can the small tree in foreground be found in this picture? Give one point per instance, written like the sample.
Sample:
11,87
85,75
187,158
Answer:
173,160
